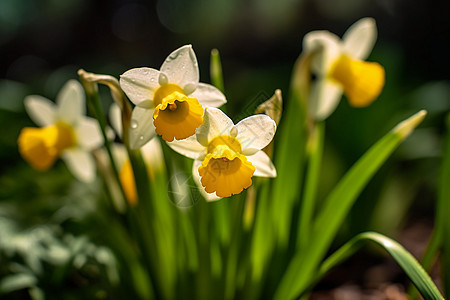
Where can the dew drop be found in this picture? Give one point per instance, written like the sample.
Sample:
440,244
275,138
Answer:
174,55
162,79
234,131
141,137
193,58
134,124
190,87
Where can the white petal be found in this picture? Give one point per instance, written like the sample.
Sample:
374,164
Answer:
359,39
89,135
120,154
208,95
115,118
325,48
41,110
263,165
324,98
215,123
141,127
80,163
255,132
140,84
71,102
208,196
181,66
188,147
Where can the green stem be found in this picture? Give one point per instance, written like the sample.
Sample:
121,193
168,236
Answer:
203,282
94,101
143,218
237,211
311,183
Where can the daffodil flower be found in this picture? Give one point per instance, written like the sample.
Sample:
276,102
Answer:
227,156
338,66
65,132
169,101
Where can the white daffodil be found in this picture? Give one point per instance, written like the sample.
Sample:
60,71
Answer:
65,132
170,101
227,156
332,66
151,153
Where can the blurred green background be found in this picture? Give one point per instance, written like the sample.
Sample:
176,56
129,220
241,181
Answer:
44,42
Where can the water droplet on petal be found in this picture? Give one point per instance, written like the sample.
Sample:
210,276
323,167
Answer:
193,58
162,79
141,137
134,124
190,87
152,79
234,131
173,55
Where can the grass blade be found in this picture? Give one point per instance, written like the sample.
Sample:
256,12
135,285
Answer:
216,70
405,260
443,207
311,185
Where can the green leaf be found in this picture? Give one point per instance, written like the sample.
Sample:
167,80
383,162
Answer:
289,158
216,70
311,184
406,261
443,207
302,267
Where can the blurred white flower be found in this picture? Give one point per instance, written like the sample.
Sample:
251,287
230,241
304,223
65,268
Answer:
151,153
227,156
169,101
330,66
65,132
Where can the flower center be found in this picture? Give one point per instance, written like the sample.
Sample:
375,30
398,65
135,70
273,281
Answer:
362,81
40,147
222,142
225,170
164,91
176,116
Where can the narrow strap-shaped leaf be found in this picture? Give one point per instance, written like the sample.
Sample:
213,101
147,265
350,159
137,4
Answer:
302,267
405,260
215,70
311,185
443,207
289,157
